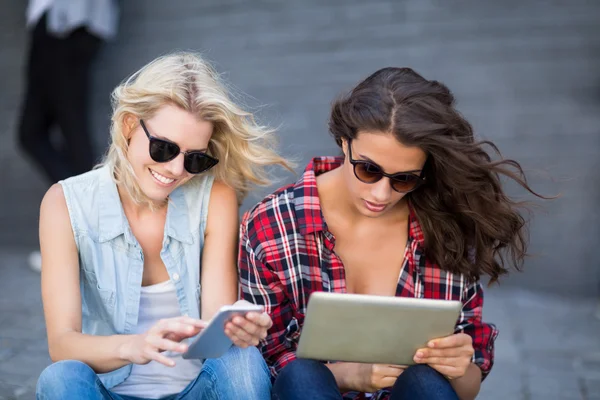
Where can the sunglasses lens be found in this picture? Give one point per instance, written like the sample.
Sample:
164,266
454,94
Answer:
196,163
367,172
404,182
162,151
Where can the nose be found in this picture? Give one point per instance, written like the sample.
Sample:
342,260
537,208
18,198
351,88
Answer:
175,166
382,190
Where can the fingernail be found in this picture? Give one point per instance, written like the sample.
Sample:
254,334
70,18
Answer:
419,355
431,344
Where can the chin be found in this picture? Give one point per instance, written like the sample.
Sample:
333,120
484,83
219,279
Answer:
154,193
371,214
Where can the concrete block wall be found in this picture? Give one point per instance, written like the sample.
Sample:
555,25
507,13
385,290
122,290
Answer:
526,73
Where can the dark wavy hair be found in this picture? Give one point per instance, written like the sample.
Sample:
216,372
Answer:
470,225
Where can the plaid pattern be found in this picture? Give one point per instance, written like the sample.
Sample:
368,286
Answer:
286,253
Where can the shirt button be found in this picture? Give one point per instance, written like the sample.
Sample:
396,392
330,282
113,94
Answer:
175,276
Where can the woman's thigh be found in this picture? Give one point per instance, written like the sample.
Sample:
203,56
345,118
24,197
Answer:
70,379
421,382
238,374
306,379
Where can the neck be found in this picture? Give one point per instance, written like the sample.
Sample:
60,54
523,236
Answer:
337,195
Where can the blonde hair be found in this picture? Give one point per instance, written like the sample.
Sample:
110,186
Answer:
244,148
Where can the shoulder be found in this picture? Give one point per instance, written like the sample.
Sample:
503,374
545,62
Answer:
54,214
70,195
222,207
54,200
85,195
88,179
220,191
83,190
223,199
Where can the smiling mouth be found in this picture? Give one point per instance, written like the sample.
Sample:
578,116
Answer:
161,179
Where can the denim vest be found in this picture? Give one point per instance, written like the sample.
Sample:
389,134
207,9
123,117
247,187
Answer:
111,261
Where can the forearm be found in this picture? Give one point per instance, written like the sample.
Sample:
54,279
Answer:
101,353
342,372
467,386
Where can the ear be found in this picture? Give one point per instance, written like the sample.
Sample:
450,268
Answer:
129,124
345,147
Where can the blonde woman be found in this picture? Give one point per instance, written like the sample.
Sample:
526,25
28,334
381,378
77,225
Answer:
136,251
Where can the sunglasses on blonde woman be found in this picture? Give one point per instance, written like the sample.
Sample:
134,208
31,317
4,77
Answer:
369,172
162,151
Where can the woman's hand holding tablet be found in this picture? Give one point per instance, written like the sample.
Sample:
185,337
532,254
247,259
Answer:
225,329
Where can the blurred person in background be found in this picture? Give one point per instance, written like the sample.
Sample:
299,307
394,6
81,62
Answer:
137,250
414,208
65,38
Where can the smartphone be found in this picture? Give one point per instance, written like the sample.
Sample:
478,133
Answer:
212,342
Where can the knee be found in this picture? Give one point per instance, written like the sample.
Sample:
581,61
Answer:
424,372
57,380
248,359
240,373
302,372
301,368
426,381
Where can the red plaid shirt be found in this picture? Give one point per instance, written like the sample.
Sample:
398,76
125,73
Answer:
286,253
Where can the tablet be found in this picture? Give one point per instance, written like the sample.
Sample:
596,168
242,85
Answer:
373,329
212,342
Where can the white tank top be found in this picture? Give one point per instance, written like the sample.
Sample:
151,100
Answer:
155,380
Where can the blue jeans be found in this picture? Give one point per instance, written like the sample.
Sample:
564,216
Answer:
239,374
308,379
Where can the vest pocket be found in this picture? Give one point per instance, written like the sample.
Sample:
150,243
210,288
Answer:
107,297
97,295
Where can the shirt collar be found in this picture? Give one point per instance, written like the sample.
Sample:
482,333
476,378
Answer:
306,196
178,218
112,220
414,228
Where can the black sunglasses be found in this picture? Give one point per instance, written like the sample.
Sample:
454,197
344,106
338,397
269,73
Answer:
163,151
369,172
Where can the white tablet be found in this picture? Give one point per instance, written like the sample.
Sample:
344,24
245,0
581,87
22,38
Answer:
373,329
212,342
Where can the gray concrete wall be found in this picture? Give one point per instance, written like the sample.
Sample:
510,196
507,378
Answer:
526,73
